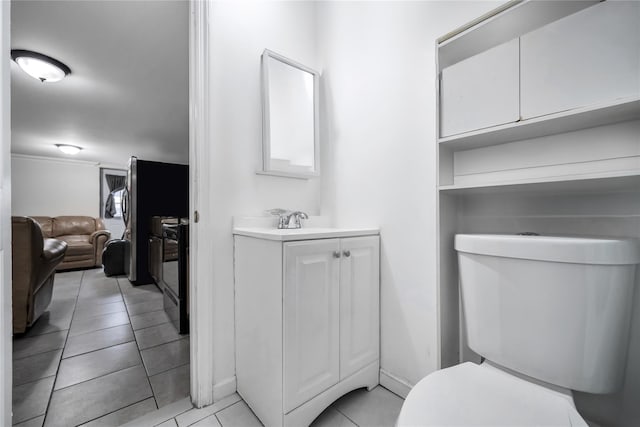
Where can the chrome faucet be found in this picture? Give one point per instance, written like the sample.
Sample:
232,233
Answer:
288,220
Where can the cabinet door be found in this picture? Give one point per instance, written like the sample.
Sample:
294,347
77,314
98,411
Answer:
590,57
311,316
359,303
481,91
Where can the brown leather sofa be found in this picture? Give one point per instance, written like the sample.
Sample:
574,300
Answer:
34,261
85,237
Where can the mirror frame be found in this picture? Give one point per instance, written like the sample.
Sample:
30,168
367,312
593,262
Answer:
267,168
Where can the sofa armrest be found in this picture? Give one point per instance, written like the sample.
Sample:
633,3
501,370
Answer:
52,254
53,250
95,236
99,239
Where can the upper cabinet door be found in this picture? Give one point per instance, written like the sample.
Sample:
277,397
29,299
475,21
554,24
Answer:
359,303
481,91
586,58
311,322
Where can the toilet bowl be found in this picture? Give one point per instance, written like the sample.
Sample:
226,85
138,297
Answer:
548,315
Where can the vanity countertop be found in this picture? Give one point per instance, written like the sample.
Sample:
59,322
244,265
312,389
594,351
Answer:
304,233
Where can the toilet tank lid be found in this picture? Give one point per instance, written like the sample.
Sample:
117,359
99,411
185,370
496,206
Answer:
569,249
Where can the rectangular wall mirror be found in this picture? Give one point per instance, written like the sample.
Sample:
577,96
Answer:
290,143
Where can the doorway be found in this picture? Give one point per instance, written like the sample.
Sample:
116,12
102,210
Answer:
90,284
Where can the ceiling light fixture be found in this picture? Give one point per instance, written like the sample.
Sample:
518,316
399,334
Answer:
69,149
39,66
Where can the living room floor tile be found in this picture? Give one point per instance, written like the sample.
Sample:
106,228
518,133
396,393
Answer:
91,399
23,347
74,362
36,367
49,322
137,298
96,364
124,415
33,422
98,339
145,307
84,310
67,277
171,386
90,324
30,400
152,318
106,295
101,299
166,356
156,335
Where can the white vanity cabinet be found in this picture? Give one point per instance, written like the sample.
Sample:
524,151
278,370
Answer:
481,91
307,320
586,58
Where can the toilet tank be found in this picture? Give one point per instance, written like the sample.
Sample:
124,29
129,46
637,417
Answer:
554,308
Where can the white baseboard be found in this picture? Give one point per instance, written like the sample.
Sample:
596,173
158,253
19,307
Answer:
224,388
394,384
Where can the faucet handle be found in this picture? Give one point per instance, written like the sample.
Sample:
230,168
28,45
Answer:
294,219
300,215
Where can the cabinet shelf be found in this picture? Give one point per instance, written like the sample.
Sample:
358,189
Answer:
619,110
598,182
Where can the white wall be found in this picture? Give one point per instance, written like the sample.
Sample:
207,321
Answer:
378,136
52,187
240,31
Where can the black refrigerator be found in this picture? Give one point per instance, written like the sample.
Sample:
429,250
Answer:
153,189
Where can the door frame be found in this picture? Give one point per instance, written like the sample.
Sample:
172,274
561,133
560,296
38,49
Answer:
201,295
6,342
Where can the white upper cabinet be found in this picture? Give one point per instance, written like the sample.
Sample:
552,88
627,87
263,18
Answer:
481,91
587,58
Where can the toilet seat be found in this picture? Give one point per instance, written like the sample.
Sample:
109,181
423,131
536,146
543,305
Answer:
482,395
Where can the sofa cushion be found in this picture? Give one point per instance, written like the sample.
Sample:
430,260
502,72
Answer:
69,225
78,248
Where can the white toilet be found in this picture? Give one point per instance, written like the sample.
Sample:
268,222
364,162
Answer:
548,315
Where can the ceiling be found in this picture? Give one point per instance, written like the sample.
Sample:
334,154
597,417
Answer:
127,94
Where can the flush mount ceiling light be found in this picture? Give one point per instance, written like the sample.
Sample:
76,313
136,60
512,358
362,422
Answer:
39,66
69,149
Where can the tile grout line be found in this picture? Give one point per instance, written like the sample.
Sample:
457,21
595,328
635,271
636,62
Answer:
30,419
167,370
158,345
34,381
99,376
102,329
152,326
43,352
135,339
343,414
53,386
124,407
207,416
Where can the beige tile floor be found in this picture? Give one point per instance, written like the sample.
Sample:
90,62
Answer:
360,408
104,353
